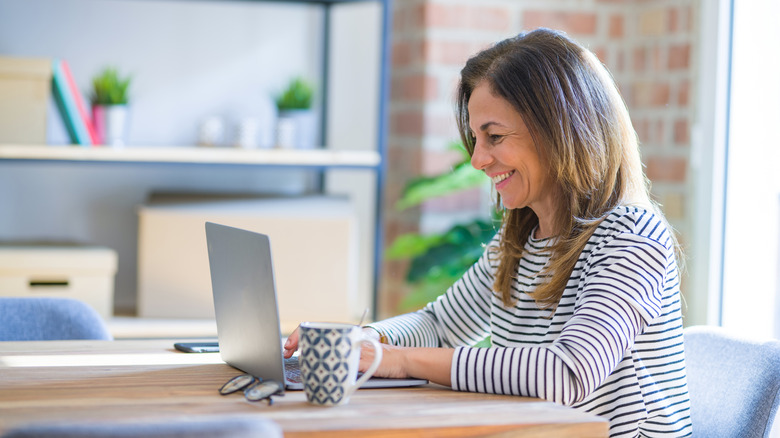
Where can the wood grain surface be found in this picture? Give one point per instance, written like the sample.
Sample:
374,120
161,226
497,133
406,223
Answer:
132,380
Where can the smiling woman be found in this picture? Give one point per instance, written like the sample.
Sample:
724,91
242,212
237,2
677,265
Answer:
579,290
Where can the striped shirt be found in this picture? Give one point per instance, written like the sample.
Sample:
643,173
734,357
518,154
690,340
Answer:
612,347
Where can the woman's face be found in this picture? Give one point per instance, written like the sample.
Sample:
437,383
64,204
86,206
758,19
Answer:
505,151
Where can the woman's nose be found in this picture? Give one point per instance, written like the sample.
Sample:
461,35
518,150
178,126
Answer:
480,158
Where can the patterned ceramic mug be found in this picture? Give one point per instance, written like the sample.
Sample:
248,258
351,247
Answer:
329,357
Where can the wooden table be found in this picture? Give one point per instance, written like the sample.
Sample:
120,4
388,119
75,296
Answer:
148,379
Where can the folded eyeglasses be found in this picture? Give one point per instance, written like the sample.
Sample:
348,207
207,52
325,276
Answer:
255,388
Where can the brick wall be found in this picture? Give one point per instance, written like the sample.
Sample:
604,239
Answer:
648,45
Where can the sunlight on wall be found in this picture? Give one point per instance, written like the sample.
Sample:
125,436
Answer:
753,183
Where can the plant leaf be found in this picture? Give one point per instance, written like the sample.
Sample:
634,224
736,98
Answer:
411,245
419,190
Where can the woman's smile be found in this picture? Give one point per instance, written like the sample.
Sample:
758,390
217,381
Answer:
502,179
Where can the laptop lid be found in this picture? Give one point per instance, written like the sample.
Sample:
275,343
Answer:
247,314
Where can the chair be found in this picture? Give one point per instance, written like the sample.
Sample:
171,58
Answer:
209,426
49,319
733,383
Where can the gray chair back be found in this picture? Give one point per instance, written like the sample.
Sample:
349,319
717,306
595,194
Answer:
734,383
49,319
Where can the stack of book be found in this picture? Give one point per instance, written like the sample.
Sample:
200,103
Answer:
72,106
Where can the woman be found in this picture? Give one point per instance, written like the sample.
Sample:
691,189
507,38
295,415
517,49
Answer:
579,289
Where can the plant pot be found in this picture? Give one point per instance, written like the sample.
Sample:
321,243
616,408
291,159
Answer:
111,124
296,129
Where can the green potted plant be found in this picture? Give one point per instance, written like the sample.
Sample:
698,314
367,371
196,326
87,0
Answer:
110,99
296,123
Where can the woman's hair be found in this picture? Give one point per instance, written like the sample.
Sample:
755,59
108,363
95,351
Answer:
581,128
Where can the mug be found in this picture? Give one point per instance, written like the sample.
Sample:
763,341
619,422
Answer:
329,357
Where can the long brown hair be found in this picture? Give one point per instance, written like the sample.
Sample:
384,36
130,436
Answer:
580,126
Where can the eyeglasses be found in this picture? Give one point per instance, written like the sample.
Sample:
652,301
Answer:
255,388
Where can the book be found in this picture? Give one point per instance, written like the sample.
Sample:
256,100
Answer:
66,103
80,105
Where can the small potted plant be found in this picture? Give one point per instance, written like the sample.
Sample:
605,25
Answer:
296,122
109,98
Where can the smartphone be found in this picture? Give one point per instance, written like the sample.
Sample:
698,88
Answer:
197,347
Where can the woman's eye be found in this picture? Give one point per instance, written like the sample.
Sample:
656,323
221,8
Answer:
495,138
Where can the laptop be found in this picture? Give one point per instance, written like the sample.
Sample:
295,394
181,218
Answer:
247,313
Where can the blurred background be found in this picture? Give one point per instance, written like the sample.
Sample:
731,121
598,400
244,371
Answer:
698,76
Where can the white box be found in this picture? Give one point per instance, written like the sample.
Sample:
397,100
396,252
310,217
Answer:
82,272
313,242
24,96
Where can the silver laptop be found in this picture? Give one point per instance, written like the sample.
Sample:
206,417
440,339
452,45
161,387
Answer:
247,314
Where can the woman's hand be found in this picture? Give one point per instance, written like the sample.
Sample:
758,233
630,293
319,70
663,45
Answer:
392,364
292,341
291,345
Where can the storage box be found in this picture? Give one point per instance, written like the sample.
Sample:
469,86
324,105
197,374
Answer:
82,272
25,87
313,241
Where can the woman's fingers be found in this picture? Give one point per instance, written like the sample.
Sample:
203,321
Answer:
291,345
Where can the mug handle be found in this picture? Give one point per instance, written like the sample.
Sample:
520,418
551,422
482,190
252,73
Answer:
374,365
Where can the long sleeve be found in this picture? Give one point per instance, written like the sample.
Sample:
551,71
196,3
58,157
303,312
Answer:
620,295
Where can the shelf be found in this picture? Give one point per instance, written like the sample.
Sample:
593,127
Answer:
195,155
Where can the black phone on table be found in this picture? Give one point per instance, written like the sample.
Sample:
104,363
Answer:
197,347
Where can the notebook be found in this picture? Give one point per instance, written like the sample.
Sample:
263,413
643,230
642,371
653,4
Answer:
247,313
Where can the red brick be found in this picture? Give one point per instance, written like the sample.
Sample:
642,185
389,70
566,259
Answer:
448,52
621,61
679,56
681,132
396,88
661,94
441,15
399,20
417,18
402,54
407,123
640,59
404,162
659,129
575,23
601,54
496,19
667,169
420,87
673,20
616,26
688,20
684,93
650,94
656,60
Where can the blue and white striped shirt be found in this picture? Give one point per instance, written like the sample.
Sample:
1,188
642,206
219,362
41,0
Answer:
612,347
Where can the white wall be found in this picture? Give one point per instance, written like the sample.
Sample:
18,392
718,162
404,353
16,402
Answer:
189,60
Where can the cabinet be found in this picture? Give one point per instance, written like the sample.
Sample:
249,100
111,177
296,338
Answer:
45,188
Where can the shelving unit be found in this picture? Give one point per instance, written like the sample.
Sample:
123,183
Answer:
314,160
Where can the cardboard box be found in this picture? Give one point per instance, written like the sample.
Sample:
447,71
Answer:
71,271
25,87
313,242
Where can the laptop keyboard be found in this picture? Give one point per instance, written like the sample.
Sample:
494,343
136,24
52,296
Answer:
292,370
